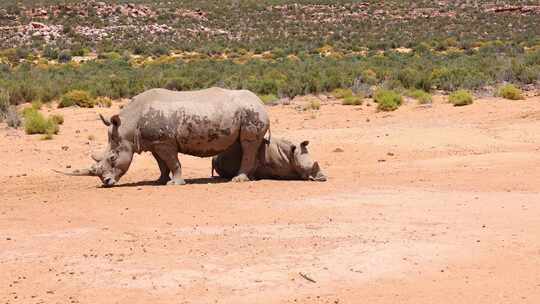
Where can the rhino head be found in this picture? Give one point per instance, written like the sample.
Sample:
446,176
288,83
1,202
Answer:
304,165
114,162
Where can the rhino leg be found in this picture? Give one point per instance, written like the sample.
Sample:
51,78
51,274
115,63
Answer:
164,177
169,155
250,141
227,164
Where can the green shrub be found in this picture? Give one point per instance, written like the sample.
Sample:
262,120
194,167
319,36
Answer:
410,78
22,91
422,96
387,100
104,102
77,50
460,98
314,104
110,56
4,104
57,119
36,123
268,98
369,77
36,104
341,93
77,97
352,100
509,91
450,79
179,84
422,48
28,111
50,53
47,93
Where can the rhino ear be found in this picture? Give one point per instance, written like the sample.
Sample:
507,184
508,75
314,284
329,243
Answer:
316,168
115,120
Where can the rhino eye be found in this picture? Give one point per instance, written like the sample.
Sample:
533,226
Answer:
113,157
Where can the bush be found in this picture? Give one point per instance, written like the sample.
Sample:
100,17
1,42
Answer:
369,77
341,93
50,53
159,51
64,56
13,119
77,97
57,119
349,98
411,78
4,104
388,100
268,99
352,100
104,102
179,84
36,105
453,78
36,123
22,91
509,91
314,104
460,98
422,96
110,56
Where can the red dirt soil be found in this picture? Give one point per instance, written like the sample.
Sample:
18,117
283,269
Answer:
428,204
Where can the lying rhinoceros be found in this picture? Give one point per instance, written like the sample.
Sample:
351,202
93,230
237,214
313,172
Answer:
200,123
277,159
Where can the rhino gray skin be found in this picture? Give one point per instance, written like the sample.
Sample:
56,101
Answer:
276,159
200,123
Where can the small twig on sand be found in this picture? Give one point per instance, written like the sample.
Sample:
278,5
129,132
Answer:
303,275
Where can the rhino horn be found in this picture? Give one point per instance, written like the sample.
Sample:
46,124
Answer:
105,121
83,172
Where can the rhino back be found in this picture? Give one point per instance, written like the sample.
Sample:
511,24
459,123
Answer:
201,123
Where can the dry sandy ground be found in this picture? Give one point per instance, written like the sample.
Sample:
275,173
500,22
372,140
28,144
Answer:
424,205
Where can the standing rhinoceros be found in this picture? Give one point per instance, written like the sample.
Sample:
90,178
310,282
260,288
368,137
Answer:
277,159
200,123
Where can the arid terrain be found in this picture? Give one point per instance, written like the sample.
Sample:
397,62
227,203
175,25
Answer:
427,204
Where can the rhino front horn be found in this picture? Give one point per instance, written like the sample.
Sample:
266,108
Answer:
84,172
104,120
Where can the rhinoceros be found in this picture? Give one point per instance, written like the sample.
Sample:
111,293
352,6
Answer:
201,123
277,158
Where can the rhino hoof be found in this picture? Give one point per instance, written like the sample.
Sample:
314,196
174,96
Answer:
177,182
240,178
162,181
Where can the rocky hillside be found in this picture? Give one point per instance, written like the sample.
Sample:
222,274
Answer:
214,26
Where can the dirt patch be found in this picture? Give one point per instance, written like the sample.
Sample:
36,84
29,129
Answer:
423,205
